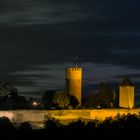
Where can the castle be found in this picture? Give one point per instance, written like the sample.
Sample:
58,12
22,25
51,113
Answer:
74,87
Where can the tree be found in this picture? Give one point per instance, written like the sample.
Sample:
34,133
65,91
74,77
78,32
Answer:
47,99
6,125
13,102
61,99
9,88
25,126
105,95
73,101
51,123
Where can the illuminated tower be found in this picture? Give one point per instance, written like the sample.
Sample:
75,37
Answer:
126,94
74,81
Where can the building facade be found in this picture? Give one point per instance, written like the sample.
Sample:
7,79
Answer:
126,94
74,82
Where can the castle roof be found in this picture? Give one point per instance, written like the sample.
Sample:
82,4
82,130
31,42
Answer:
126,82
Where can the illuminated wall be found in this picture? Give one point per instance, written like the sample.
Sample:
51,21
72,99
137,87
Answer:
126,96
36,117
74,82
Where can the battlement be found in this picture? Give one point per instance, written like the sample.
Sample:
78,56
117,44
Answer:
74,69
127,87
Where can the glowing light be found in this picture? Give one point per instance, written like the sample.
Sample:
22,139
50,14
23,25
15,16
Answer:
35,103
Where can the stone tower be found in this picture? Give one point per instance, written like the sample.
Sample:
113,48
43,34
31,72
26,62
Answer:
74,82
126,94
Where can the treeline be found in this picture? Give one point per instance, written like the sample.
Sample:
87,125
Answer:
121,125
52,99
105,97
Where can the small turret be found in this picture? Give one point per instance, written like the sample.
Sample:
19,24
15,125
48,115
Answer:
126,94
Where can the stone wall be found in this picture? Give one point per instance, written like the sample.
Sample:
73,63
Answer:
36,117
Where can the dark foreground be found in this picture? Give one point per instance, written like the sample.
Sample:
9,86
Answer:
72,134
120,127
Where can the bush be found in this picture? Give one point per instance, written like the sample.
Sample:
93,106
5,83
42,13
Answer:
51,123
6,125
25,126
79,124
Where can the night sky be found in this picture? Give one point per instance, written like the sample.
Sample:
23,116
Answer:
39,39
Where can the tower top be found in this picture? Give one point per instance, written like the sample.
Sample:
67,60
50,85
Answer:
126,82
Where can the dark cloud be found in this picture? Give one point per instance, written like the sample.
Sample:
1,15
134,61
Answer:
34,33
129,75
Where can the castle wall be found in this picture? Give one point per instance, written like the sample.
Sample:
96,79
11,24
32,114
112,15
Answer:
36,117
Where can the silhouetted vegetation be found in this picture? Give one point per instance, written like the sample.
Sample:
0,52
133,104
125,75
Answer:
6,125
117,126
25,126
73,102
10,99
105,97
47,99
13,102
59,100
51,123
121,125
